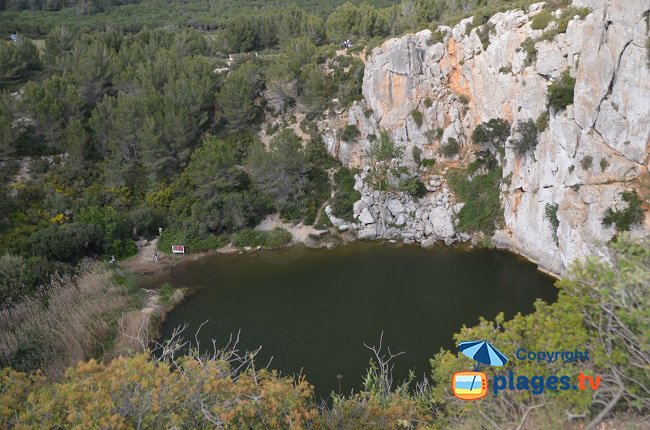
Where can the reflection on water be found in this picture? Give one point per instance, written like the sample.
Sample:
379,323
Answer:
312,310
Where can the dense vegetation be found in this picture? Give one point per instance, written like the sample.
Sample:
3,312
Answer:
107,137
228,389
480,193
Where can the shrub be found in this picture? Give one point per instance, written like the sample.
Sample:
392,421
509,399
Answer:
542,121
323,221
349,133
414,187
560,92
526,139
628,217
451,148
482,210
495,131
505,69
194,238
417,117
541,20
417,155
428,162
586,162
604,164
345,194
249,237
550,213
463,99
483,34
68,243
268,239
436,37
271,129
528,46
428,102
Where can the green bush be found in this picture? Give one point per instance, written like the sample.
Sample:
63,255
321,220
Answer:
483,34
271,129
67,243
166,292
349,133
482,210
495,131
436,37
417,117
428,162
628,217
604,164
417,155
193,238
542,121
505,70
451,148
21,277
428,102
323,221
526,140
528,46
463,99
541,20
267,239
586,162
550,213
345,194
414,187
560,92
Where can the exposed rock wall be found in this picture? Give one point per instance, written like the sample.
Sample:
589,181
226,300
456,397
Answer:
457,83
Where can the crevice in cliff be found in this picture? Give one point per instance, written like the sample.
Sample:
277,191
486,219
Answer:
612,82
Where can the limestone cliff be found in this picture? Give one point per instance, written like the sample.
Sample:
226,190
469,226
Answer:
462,80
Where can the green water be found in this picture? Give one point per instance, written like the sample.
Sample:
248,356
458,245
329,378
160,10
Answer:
312,310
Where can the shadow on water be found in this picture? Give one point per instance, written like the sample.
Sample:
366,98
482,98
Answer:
313,309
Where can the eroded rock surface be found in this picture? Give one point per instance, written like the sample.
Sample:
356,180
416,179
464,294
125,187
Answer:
458,83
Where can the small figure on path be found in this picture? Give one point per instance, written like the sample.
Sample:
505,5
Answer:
112,259
155,256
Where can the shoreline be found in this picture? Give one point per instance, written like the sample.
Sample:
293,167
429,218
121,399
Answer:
144,265
145,322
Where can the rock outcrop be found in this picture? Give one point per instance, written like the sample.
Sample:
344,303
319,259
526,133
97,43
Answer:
467,79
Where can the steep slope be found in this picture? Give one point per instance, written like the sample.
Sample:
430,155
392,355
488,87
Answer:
588,155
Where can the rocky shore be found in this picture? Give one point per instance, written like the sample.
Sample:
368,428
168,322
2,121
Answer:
426,220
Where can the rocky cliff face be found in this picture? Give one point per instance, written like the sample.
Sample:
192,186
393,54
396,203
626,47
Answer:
462,81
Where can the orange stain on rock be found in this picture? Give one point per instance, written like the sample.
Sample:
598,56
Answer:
455,80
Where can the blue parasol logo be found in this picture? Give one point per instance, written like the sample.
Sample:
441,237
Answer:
482,352
464,384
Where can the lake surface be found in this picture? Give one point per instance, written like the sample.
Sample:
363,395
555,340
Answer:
313,309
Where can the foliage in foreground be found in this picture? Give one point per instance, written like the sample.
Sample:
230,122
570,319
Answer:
70,325
601,308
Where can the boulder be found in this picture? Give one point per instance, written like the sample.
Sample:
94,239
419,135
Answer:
367,233
428,242
365,217
394,206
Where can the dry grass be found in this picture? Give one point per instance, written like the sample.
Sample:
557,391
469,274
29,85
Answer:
78,321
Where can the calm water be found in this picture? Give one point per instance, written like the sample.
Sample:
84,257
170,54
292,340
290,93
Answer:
312,310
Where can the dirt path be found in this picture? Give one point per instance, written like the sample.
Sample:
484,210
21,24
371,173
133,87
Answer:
300,233
145,260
